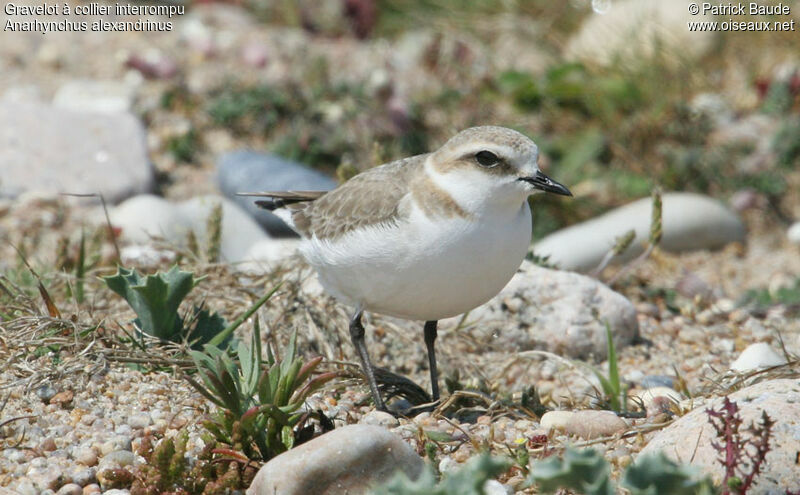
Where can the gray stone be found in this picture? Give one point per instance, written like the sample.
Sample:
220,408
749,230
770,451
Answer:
562,312
380,418
689,222
84,477
94,96
652,381
46,392
757,356
689,439
118,458
86,456
139,421
349,460
25,487
116,442
266,254
52,150
239,231
248,171
145,216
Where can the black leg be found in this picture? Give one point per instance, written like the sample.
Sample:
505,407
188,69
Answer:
357,336
430,339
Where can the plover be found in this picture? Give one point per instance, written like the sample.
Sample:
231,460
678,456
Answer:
423,238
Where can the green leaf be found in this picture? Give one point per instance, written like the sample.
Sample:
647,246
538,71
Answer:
613,370
287,437
289,354
656,474
468,480
154,298
206,326
585,471
439,436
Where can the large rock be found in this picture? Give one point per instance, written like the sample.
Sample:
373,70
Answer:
689,222
689,439
563,312
634,31
248,171
83,95
142,217
43,148
757,356
348,460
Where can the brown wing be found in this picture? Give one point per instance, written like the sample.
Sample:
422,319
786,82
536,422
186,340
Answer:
369,198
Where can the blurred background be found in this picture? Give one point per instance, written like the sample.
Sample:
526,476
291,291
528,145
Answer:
619,95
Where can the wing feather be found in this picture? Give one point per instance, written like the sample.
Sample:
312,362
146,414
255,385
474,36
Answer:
370,198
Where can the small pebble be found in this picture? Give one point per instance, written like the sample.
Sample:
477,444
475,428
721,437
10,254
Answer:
70,489
63,398
380,418
90,489
86,456
494,487
25,487
651,396
118,458
652,381
594,424
46,392
556,420
447,464
48,445
85,477
139,421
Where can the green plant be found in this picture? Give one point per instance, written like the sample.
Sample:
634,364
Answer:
155,300
166,470
786,144
469,480
763,299
656,232
586,471
185,146
248,109
259,401
614,390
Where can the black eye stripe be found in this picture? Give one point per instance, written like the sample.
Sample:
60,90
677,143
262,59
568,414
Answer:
486,158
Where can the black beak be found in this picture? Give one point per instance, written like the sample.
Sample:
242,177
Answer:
546,184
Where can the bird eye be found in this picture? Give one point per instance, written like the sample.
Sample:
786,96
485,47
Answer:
487,159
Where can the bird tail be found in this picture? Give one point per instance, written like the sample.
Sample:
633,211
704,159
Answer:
282,199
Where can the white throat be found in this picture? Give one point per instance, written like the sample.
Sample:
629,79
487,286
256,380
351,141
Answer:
478,193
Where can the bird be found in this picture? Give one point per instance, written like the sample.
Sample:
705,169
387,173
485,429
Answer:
422,238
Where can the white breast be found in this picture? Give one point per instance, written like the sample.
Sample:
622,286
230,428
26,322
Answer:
424,268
